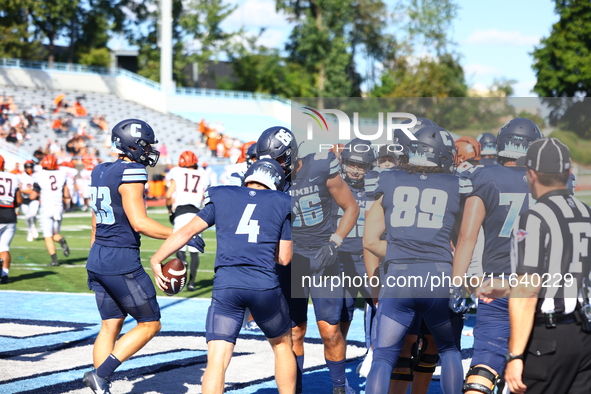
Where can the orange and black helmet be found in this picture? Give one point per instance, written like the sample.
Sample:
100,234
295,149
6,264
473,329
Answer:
187,159
468,148
49,162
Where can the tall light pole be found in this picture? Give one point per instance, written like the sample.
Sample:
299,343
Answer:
166,81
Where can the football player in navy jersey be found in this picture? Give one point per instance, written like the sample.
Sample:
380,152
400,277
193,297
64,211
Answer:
279,143
417,208
357,159
316,242
488,143
115,271
253,232
495,196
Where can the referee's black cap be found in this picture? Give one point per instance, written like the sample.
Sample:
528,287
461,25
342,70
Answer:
546,155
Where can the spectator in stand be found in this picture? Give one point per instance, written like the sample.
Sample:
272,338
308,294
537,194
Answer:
11,105
71,147
12,137
212,143
16,170
103,124
95,123
58,101
4,118
57,125
79,109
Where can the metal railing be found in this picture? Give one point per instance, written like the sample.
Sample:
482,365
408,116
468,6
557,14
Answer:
17,151
186,91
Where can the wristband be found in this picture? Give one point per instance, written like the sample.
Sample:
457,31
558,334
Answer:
336,239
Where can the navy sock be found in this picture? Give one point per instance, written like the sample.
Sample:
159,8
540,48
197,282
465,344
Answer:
108,366
300,362
337,372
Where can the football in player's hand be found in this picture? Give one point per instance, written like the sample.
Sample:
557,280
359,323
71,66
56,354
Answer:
176,271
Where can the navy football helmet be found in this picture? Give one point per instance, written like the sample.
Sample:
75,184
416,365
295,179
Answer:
278,143
266,172
515,136
251,154
488,142
360,153
402,141
134,138
421,123
434,147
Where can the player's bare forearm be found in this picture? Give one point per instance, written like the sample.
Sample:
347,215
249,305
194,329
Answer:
132,197
18,198
372,263
373,230
284,252
472,218
179,239
344,198
521,318
522,309
93,231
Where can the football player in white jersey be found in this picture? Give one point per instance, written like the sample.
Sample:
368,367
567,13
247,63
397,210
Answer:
83,184
50,186
67,167
10,198
184,197
29,206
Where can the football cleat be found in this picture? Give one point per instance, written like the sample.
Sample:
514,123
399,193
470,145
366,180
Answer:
96,383
65,247
4,280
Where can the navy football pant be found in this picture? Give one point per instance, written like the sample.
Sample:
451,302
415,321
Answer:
129,294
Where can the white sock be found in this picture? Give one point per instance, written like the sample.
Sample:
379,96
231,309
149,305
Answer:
4,271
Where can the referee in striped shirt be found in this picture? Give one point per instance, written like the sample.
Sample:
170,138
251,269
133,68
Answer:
548,350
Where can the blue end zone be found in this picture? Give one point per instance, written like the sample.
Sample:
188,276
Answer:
35,326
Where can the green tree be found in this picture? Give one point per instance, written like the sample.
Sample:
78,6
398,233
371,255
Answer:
327,35
408,71
197,36
16,41
52,19
562,61
266,71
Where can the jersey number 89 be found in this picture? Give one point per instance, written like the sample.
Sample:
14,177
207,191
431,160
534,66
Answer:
431,204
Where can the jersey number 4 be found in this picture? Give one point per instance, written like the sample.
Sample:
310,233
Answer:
247,225
101,205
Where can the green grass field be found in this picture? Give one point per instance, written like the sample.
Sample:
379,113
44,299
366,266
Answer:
30,271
